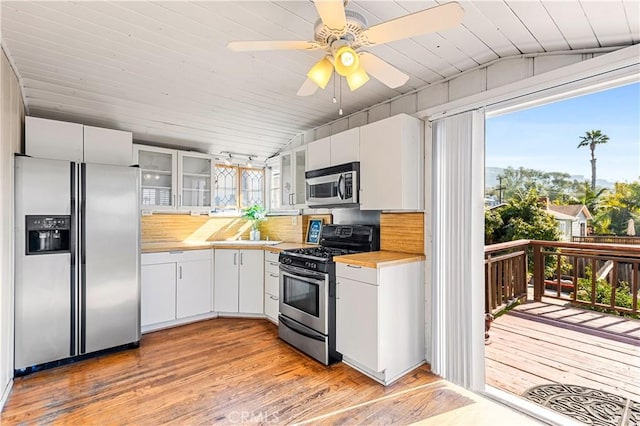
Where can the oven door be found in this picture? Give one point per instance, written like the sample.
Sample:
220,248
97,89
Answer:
304,296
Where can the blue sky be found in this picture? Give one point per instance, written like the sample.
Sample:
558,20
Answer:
546,137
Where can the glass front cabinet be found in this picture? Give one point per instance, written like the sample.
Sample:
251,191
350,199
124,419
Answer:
292,181
172,179
194,185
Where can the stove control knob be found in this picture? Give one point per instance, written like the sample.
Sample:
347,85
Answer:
286,260
314,266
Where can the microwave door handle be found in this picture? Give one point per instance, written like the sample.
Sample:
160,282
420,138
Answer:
340,185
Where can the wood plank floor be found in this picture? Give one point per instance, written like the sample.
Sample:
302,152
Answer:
221,371
524,352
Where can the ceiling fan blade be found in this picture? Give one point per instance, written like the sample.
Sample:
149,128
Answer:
308,88
332,13
246,46
382,71
430,20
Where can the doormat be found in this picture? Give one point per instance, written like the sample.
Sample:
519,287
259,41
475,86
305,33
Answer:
587,405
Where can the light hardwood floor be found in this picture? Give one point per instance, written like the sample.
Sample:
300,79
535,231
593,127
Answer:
222,371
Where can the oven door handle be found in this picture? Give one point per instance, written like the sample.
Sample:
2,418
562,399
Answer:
294,272
293,326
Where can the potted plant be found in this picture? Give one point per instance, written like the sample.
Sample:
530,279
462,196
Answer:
256,214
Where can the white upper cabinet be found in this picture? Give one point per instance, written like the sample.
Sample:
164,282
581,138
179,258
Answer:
158,168
391,164
107,146
60,140
195,172
292,181
345,147
319,154
340,148
56,140
174,179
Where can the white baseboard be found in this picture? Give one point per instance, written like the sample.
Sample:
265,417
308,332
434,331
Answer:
5,394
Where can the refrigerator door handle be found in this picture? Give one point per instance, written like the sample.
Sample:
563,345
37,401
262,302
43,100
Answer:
83,258
73,261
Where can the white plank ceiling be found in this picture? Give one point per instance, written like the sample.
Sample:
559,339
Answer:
162,69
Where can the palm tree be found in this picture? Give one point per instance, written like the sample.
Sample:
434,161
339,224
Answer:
591,139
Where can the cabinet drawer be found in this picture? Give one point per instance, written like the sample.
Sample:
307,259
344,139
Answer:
270,256
271,307
273,267
175,256
358,273
271,283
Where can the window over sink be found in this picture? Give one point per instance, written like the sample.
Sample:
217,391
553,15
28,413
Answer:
237,188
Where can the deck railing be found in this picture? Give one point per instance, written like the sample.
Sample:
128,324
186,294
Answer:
596,275
607,239
505,268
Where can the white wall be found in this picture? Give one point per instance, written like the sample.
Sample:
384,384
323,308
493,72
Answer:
11,136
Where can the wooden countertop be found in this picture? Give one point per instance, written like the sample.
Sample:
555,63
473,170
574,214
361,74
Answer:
379,259
205,245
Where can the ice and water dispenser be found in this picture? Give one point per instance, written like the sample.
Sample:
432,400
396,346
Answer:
48,234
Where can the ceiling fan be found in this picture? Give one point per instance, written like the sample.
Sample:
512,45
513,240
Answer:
343,34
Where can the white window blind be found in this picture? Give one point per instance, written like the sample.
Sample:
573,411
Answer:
458,244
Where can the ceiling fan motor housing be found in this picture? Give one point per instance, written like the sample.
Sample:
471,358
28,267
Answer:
327,37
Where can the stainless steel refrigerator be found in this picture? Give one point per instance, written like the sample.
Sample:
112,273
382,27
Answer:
77,260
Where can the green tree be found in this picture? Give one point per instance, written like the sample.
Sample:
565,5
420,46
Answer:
522,218
591,139
617,207
590,198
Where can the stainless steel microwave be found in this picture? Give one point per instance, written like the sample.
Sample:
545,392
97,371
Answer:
335,186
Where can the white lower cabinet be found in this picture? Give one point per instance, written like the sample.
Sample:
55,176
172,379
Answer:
158,302
238,279
271,286
380,318
175,286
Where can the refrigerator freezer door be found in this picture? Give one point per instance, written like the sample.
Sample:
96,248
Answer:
43,283
110,307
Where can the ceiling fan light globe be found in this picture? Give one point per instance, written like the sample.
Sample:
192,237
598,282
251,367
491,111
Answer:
357,79
321,72
347,61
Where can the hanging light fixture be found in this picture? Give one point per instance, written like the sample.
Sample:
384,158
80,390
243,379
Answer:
347,61
321,72
356,79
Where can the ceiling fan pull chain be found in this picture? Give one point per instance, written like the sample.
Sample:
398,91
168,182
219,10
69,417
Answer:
334,87
340,110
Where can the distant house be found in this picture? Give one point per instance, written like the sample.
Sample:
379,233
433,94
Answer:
572,219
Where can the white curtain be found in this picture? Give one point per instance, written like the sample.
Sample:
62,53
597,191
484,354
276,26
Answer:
458,243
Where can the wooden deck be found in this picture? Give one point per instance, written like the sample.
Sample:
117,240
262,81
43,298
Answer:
539,343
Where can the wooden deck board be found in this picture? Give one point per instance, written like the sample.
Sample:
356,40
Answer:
524,353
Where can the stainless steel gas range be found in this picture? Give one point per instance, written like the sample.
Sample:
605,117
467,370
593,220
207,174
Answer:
308,288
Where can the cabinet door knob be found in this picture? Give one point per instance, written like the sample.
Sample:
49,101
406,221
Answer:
180,272
235,258
354,266
241,258
274,275
273,297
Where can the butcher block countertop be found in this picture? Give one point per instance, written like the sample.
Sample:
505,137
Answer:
205,245
379,259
